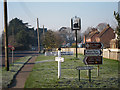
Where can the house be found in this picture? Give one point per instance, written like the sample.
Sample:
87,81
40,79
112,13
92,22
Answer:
92,35
105,36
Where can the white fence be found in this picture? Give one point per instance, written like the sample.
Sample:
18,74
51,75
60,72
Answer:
56,53
107,53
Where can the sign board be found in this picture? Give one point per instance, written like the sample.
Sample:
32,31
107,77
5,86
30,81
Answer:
76,23
12,48
92,52
93,45
59,59
84,67
92,60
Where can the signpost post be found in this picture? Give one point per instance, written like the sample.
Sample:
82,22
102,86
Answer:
12,48
59,59
76,25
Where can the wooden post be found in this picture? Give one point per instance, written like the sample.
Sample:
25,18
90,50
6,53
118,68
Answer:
98,71
38,35
79,74
89,75
87,70
6,36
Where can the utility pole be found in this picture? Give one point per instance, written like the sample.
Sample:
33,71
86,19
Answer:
38,36
6,36
43,30
85,37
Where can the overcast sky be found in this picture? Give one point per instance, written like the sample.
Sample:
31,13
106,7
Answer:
54,15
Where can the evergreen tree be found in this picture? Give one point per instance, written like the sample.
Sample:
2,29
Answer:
117,17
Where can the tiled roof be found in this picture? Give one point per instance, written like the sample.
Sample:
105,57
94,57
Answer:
92,34
103,31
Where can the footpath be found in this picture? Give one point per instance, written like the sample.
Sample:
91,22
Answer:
21,77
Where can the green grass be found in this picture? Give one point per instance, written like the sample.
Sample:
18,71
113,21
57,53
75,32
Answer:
44,75
7,76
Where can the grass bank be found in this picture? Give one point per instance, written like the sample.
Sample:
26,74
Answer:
7,76
44,75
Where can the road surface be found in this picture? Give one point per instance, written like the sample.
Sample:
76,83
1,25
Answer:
17,55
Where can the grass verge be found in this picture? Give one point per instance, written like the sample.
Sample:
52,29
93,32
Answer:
7,76
44,75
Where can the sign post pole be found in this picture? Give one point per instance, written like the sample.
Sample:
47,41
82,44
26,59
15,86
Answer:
12,48
79,74
76,25
12,57
59,63
59,59
76,42
87,70
89,75
59,69
98,71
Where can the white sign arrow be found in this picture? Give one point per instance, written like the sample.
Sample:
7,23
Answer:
92,52
60,59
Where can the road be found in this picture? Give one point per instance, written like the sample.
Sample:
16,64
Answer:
17,55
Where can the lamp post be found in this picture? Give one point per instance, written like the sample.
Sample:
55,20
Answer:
76,25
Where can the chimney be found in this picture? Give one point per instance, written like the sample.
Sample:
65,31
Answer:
108,25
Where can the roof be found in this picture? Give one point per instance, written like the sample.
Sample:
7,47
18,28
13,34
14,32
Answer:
104,30
92,34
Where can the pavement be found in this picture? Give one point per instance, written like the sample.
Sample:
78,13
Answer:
21,77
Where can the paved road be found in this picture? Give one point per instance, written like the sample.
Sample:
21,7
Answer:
17,55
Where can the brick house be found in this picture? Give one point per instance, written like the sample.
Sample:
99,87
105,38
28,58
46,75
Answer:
105,36
91,37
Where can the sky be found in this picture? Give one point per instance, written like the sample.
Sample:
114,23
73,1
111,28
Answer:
54,15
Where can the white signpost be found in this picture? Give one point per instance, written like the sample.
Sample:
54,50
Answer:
59,59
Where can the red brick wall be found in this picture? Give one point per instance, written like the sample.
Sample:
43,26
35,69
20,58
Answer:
106,37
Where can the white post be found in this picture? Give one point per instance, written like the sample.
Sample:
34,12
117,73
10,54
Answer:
12,57
59,63
59,69
59,53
